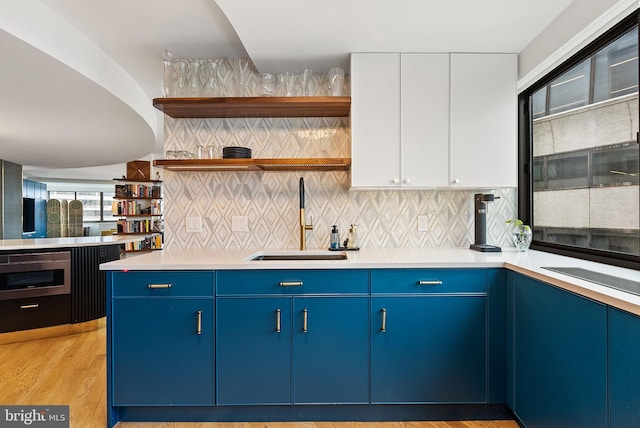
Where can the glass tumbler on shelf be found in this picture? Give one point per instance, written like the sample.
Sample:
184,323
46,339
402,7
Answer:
200,151
182,75
336,81
287,84
267,85
194,87
211,84
167,74
306,82
211,151
242,73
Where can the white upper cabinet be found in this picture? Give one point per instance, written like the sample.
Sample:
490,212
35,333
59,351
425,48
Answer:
399,120
424,120
375,120
433,120
484,149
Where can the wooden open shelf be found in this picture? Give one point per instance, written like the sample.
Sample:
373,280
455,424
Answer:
225,107
296,164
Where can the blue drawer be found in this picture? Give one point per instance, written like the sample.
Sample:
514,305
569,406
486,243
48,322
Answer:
428,280
288,282
163,283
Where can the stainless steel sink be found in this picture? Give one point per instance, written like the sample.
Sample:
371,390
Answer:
298,255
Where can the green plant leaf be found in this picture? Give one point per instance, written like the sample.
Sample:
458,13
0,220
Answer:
515,221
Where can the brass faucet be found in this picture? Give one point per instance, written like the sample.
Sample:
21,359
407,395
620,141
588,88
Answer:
303,230
303,224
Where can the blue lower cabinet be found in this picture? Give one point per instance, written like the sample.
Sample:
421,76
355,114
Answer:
162,351
254,350
559,367
429,349
624,369
268,354
331,349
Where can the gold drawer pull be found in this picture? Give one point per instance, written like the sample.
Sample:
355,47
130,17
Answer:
278,320
305,321
199,322
157,286
431,282
291,284
31,306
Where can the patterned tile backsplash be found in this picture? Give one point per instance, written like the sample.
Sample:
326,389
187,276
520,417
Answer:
270,199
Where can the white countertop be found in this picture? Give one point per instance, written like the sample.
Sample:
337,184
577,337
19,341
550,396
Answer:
82,241
529,263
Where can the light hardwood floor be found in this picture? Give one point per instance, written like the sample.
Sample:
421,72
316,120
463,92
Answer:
70,370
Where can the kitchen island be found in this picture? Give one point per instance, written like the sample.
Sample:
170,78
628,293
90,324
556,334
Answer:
53,281
69,242
385,334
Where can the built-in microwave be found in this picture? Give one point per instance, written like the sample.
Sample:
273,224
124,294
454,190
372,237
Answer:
34,274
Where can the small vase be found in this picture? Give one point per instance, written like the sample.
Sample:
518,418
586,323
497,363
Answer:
522,237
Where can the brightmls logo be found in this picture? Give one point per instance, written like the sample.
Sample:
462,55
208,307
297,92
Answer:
34,416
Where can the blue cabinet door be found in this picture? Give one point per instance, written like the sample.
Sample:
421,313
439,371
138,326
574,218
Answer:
624,369
428,349
559,357
254,350
162,351
331,349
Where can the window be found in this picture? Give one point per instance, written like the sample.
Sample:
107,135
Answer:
96,206
579,130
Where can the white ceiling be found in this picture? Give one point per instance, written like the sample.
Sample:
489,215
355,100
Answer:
78,77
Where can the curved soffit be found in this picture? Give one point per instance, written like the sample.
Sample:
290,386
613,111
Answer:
66,103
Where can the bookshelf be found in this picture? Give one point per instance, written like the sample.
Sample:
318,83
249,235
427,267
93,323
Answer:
138,208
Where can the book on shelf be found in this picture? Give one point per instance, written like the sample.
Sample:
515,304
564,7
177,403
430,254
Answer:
139,226
124,208
147,244
137,190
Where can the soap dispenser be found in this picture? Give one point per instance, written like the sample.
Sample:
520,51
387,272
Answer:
352,238
334,242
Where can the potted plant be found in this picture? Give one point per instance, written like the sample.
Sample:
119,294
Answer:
521,234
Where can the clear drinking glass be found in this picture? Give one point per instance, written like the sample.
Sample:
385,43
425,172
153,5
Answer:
336,81
242,72
211,85
167,74
306,82
182,75
268,85
200,151
287,83
194,87
211,151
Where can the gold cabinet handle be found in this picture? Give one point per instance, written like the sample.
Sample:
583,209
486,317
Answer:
305,320
31,306
431,282
155,286
383,327
278,320
199,322
291,283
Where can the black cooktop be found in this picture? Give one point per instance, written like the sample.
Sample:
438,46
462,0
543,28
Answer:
600,278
